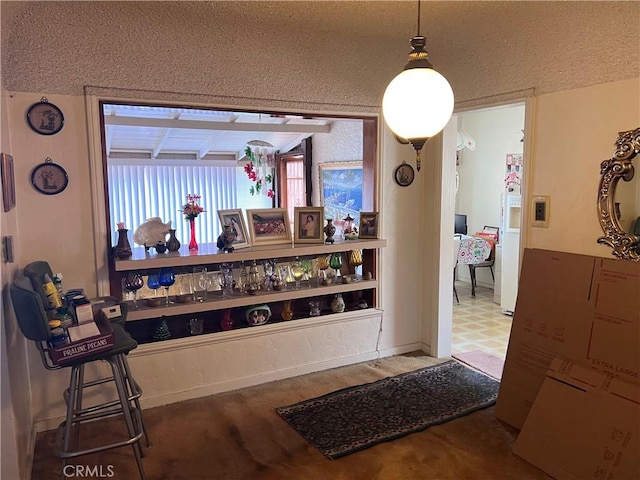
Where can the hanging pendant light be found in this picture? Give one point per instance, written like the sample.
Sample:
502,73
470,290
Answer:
418,102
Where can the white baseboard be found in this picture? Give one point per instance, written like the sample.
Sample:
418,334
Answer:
250,381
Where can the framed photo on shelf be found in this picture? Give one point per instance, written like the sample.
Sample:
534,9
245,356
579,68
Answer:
269,226
368,225
235,218
308,224
341,190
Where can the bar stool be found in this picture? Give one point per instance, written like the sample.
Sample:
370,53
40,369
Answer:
36,272
33,323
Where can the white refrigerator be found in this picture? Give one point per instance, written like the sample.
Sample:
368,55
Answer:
510,240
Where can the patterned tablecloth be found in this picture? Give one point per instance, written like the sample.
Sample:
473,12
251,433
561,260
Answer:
473,250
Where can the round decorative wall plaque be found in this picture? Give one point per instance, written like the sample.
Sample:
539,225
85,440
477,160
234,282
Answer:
45,118
49,178
404,174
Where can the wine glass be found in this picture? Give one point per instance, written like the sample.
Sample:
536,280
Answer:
167,278
307,266
202,282
335,262
153,282
323,264
297,272
133,282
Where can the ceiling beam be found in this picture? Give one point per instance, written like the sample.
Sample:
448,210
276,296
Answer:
204,125
163,138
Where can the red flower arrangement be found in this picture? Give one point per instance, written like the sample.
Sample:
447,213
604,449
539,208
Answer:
192,208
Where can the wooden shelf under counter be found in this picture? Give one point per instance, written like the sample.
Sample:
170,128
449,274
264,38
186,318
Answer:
218,302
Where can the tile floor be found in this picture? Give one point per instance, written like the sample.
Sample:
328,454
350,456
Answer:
478,323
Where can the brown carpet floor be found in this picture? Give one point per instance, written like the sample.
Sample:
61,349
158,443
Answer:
238,435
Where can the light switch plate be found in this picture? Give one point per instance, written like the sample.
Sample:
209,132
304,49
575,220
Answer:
540,207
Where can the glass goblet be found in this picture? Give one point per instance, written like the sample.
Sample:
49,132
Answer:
153,282
297,272
133,282
323,265
202,282
167,278
335,262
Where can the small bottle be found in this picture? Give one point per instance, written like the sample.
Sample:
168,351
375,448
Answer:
65,318
52,292
59,336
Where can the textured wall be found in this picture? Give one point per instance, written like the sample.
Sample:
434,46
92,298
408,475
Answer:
316,52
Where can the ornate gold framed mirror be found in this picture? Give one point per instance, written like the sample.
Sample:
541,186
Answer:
622,236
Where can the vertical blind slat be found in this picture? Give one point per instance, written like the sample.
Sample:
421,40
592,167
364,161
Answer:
139,192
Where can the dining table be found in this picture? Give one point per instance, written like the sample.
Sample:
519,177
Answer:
473,251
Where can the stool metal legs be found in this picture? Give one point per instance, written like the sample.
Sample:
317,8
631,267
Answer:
134,392
128,392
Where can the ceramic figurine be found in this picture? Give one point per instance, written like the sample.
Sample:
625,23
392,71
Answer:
226,239
151,232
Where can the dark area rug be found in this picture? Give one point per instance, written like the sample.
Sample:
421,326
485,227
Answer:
356,418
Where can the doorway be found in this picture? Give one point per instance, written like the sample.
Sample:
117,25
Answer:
490,174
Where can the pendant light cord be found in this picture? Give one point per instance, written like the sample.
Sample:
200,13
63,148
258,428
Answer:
418,34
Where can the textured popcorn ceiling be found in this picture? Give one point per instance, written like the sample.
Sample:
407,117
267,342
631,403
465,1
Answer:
314,52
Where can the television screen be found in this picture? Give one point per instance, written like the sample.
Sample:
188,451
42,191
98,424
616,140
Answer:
460,224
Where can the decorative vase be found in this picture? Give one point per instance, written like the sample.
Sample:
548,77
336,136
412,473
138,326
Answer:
173,244
226,323
329,231
258,315
337,304
193,245
123,249
287,312
226,239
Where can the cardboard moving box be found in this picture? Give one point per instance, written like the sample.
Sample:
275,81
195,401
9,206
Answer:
577,307
583,424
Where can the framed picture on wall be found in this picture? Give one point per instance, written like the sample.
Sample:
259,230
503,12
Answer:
341,190
235,218
8,182
269,226
308,224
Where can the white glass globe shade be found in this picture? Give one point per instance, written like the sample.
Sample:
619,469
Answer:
418,103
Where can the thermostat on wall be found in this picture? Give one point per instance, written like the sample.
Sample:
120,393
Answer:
540,211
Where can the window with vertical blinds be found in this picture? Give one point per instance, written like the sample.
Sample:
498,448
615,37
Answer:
295,185
140,191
